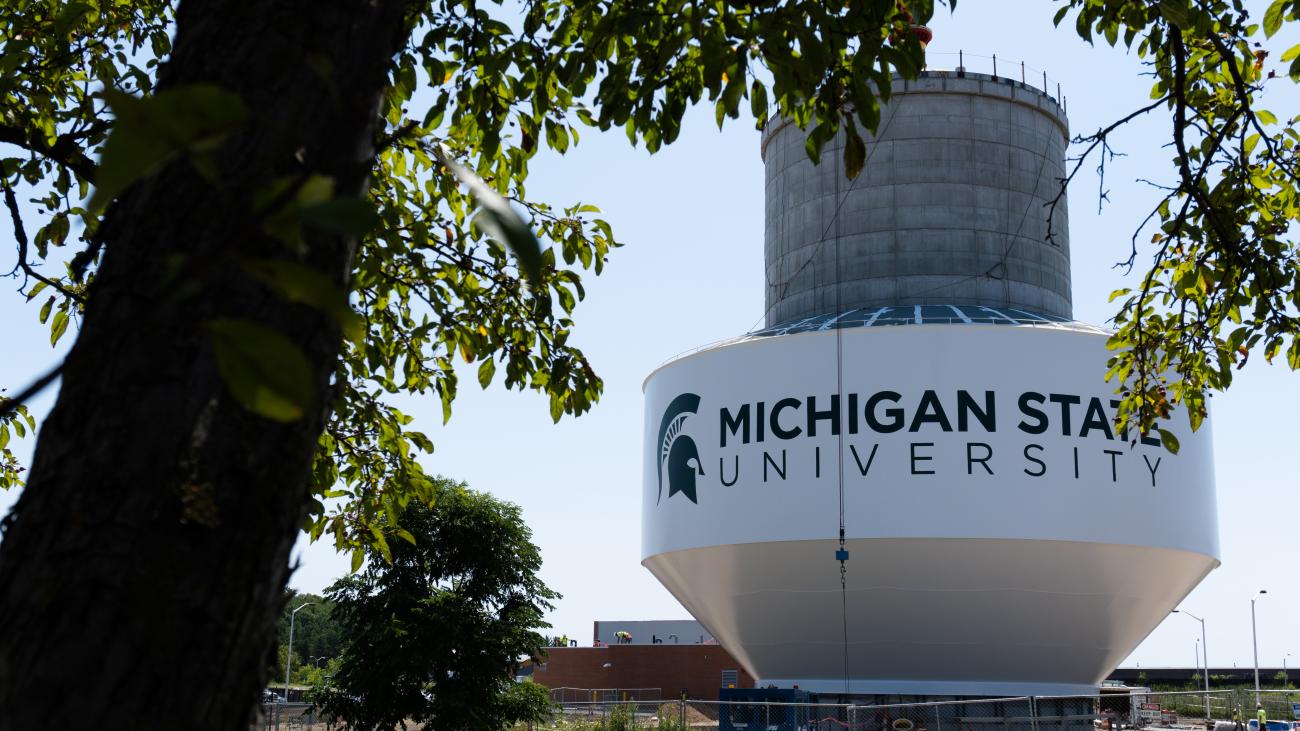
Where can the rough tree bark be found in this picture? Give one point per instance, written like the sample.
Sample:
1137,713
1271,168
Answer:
142,568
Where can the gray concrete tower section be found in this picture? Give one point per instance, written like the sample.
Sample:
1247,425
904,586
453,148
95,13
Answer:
949,209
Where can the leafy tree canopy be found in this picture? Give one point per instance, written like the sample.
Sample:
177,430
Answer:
1225,278
436,629
432,282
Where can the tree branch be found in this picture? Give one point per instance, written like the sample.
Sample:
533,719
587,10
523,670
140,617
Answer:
1097,138
20,233
1243,98
10,404
65,150
1192,183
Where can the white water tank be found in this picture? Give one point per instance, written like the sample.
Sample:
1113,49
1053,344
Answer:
920,385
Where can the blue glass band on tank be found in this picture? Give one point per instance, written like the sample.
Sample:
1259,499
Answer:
922,315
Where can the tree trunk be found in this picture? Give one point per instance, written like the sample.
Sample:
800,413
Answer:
142,569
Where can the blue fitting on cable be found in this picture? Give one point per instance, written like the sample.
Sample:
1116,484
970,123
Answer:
841,555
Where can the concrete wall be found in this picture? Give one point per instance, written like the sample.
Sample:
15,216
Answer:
687,631
695,670
949,209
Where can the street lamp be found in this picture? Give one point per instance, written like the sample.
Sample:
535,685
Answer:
1254,641
1205,657
288,656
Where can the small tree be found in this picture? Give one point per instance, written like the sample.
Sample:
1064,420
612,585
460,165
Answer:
435,631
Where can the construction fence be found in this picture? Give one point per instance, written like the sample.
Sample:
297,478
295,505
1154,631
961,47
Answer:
1134,709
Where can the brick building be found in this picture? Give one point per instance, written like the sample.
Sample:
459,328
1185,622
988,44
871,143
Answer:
695,669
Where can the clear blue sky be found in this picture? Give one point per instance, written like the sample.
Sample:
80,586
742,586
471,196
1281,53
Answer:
691,273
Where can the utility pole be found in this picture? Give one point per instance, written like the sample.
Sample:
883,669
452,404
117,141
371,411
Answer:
289,654
1205,656
1254,641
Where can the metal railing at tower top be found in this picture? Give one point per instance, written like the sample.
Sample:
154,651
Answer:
957,63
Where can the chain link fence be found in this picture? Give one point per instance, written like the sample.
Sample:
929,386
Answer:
288,717
604,695
620,716
1132,708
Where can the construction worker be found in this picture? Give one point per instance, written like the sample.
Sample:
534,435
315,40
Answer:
1262,716
1237,725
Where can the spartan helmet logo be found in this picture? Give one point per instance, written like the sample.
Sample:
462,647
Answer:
677,452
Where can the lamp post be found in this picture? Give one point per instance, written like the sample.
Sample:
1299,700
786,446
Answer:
1254,641
1205,656
288,656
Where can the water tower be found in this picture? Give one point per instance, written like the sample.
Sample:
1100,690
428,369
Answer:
921,399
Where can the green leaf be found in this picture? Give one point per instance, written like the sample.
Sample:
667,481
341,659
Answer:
499,220
731,97
855,152
381,543
1168,439
150,132
1175,11
815,140
264,370
1274,16
304,285
758,101
315,189
1083,27
350,216
485,372
58,326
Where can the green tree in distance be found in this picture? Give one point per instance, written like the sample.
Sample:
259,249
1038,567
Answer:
263,234
435,632
316,633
